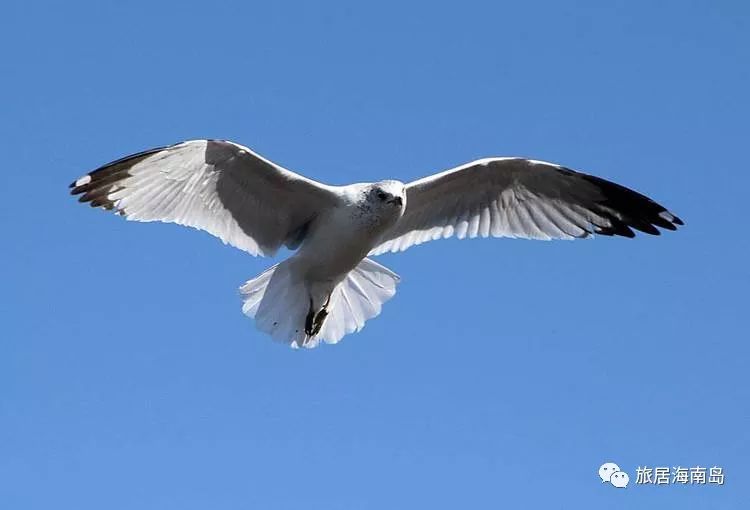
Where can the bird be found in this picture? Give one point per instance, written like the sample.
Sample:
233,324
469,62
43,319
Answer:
329,286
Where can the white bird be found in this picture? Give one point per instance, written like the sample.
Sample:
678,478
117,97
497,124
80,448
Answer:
329,287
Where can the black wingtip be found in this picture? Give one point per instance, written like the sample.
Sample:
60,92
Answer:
95,186
626,209
77,190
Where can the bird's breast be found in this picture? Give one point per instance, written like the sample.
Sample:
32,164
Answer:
338,242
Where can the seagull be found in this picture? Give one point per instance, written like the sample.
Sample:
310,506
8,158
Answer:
330,287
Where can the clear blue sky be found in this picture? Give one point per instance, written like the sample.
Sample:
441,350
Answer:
502,374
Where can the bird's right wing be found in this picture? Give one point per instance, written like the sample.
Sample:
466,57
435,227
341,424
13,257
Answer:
217,186
516,197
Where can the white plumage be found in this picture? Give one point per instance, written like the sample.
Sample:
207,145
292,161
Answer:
328,288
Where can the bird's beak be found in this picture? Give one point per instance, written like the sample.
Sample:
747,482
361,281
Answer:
396,200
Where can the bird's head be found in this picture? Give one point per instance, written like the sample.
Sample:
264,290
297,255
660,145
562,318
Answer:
388,195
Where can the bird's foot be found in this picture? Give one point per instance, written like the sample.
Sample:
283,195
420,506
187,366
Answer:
314,320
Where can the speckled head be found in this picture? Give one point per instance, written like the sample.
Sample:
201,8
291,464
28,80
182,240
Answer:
388,194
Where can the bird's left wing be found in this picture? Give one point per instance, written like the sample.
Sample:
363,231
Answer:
213,185
516,197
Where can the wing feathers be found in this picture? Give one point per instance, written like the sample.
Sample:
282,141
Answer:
514,197
212,185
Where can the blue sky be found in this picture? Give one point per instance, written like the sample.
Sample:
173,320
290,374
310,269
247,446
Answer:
503,373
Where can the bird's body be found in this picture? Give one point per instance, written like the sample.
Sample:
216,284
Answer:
329,287
343,235
335,243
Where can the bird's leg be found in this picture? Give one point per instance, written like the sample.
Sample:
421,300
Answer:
320,317
309,319
314,320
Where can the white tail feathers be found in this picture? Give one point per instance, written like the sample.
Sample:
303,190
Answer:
279,300
359,297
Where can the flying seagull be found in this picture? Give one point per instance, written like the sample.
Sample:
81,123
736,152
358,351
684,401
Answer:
330,287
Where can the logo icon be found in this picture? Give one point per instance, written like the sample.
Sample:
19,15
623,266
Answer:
610,472
620,479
